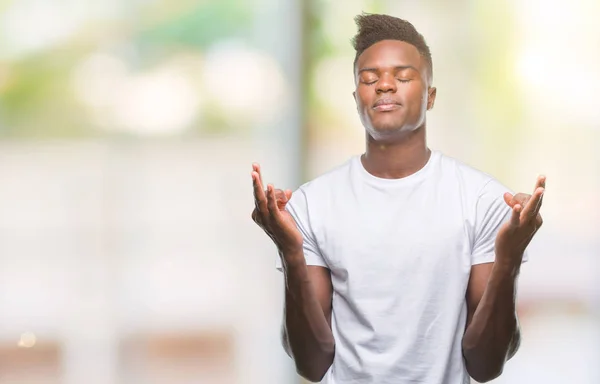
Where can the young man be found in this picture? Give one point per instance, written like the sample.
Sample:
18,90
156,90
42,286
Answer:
400,265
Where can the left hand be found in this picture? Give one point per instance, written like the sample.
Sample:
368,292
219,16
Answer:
514,236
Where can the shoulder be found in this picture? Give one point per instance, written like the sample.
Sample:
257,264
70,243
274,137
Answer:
472,181
326,182
316,193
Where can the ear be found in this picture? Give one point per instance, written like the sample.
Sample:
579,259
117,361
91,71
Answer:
431,92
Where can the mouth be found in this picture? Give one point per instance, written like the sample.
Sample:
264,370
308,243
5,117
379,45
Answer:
383,105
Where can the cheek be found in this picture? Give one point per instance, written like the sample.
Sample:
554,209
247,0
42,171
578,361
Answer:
417,97
361,102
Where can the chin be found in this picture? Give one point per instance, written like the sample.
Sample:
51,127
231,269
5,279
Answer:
384,133
389,131
386,127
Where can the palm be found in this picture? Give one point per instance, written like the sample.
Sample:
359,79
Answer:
289,227
271,215
514,235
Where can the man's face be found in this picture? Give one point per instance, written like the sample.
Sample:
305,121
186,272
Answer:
392,89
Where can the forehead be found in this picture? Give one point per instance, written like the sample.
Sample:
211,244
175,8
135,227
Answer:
390,53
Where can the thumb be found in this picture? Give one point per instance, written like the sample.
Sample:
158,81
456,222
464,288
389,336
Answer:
515,217
508,199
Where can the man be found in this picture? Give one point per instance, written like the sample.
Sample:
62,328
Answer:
400,265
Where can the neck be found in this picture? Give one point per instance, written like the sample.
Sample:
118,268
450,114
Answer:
399,158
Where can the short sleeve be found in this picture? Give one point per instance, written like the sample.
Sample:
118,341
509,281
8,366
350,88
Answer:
490,213
298,208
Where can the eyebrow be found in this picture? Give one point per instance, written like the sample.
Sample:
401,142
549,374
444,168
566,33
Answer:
397,68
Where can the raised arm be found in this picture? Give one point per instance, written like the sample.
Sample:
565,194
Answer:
306,330
492,334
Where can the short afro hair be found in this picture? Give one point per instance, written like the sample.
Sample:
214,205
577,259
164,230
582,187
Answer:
374,28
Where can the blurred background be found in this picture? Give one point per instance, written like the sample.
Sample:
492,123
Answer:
127,133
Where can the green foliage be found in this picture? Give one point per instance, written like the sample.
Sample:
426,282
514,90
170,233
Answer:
200,26
36,100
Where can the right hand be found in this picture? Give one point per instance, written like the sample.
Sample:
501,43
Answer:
270,214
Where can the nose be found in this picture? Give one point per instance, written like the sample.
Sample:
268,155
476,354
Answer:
386,83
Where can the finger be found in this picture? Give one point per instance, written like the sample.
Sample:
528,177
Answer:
521,198
272,202
540,182
260,200
530,209
280,196
256,168
515,217
288,194
508,199
539,205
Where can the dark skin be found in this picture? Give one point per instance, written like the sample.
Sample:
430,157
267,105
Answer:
394,73
393,93
306,331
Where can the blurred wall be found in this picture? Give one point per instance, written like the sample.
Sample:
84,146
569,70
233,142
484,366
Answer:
127,133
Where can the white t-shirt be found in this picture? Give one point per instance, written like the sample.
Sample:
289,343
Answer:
400,253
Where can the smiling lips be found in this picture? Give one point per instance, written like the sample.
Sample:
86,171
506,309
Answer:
383,105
